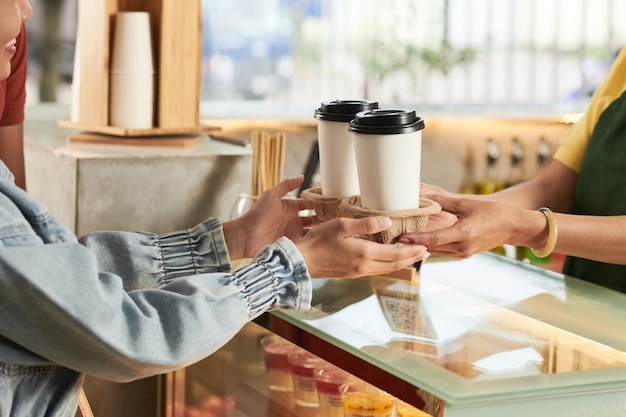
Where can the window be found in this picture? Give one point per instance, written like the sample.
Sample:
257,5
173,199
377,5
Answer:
264,57
486,54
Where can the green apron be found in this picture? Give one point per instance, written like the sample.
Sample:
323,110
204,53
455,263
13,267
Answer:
601,190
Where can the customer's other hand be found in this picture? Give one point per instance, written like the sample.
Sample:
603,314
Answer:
272,216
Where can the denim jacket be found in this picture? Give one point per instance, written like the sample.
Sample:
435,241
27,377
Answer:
120,305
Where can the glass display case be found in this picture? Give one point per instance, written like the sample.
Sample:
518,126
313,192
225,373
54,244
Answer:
486,336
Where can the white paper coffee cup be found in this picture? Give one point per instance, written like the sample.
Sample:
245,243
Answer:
338,169
388,148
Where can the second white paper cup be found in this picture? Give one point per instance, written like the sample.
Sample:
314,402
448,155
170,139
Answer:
388,149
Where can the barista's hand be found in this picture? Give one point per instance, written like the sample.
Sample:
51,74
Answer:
334,249
443,219
426,190
481,225
270,218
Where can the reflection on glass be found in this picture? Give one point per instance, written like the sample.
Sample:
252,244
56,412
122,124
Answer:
473,318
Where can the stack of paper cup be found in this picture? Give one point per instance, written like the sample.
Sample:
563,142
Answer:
132,72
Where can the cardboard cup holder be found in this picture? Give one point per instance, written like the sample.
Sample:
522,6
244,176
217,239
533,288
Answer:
403,221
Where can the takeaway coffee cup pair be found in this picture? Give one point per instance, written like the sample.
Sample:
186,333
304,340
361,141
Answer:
370,151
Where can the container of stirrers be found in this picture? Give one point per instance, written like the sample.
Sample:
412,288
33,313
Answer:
268,161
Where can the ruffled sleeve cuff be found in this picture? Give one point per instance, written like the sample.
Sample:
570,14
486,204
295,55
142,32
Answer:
276,278
201,249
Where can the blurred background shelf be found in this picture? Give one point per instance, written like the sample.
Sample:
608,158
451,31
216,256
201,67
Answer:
125,132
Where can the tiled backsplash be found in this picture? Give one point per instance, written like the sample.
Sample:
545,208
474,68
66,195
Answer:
453,146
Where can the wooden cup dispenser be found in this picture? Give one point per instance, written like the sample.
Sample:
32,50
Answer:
176,31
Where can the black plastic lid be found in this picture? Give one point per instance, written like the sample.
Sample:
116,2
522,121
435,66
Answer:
386,122
343,110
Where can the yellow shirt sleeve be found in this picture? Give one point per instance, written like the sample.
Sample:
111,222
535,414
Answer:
574,144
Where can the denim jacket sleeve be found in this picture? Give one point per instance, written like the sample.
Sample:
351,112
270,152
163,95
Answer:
126,305
273,279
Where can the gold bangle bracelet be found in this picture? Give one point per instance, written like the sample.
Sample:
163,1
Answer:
553,234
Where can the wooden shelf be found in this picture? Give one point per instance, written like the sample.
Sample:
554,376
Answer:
184,141
138,133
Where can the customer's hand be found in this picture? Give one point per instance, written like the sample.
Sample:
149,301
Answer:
334,249
271,217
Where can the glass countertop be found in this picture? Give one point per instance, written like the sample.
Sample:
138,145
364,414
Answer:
477,329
